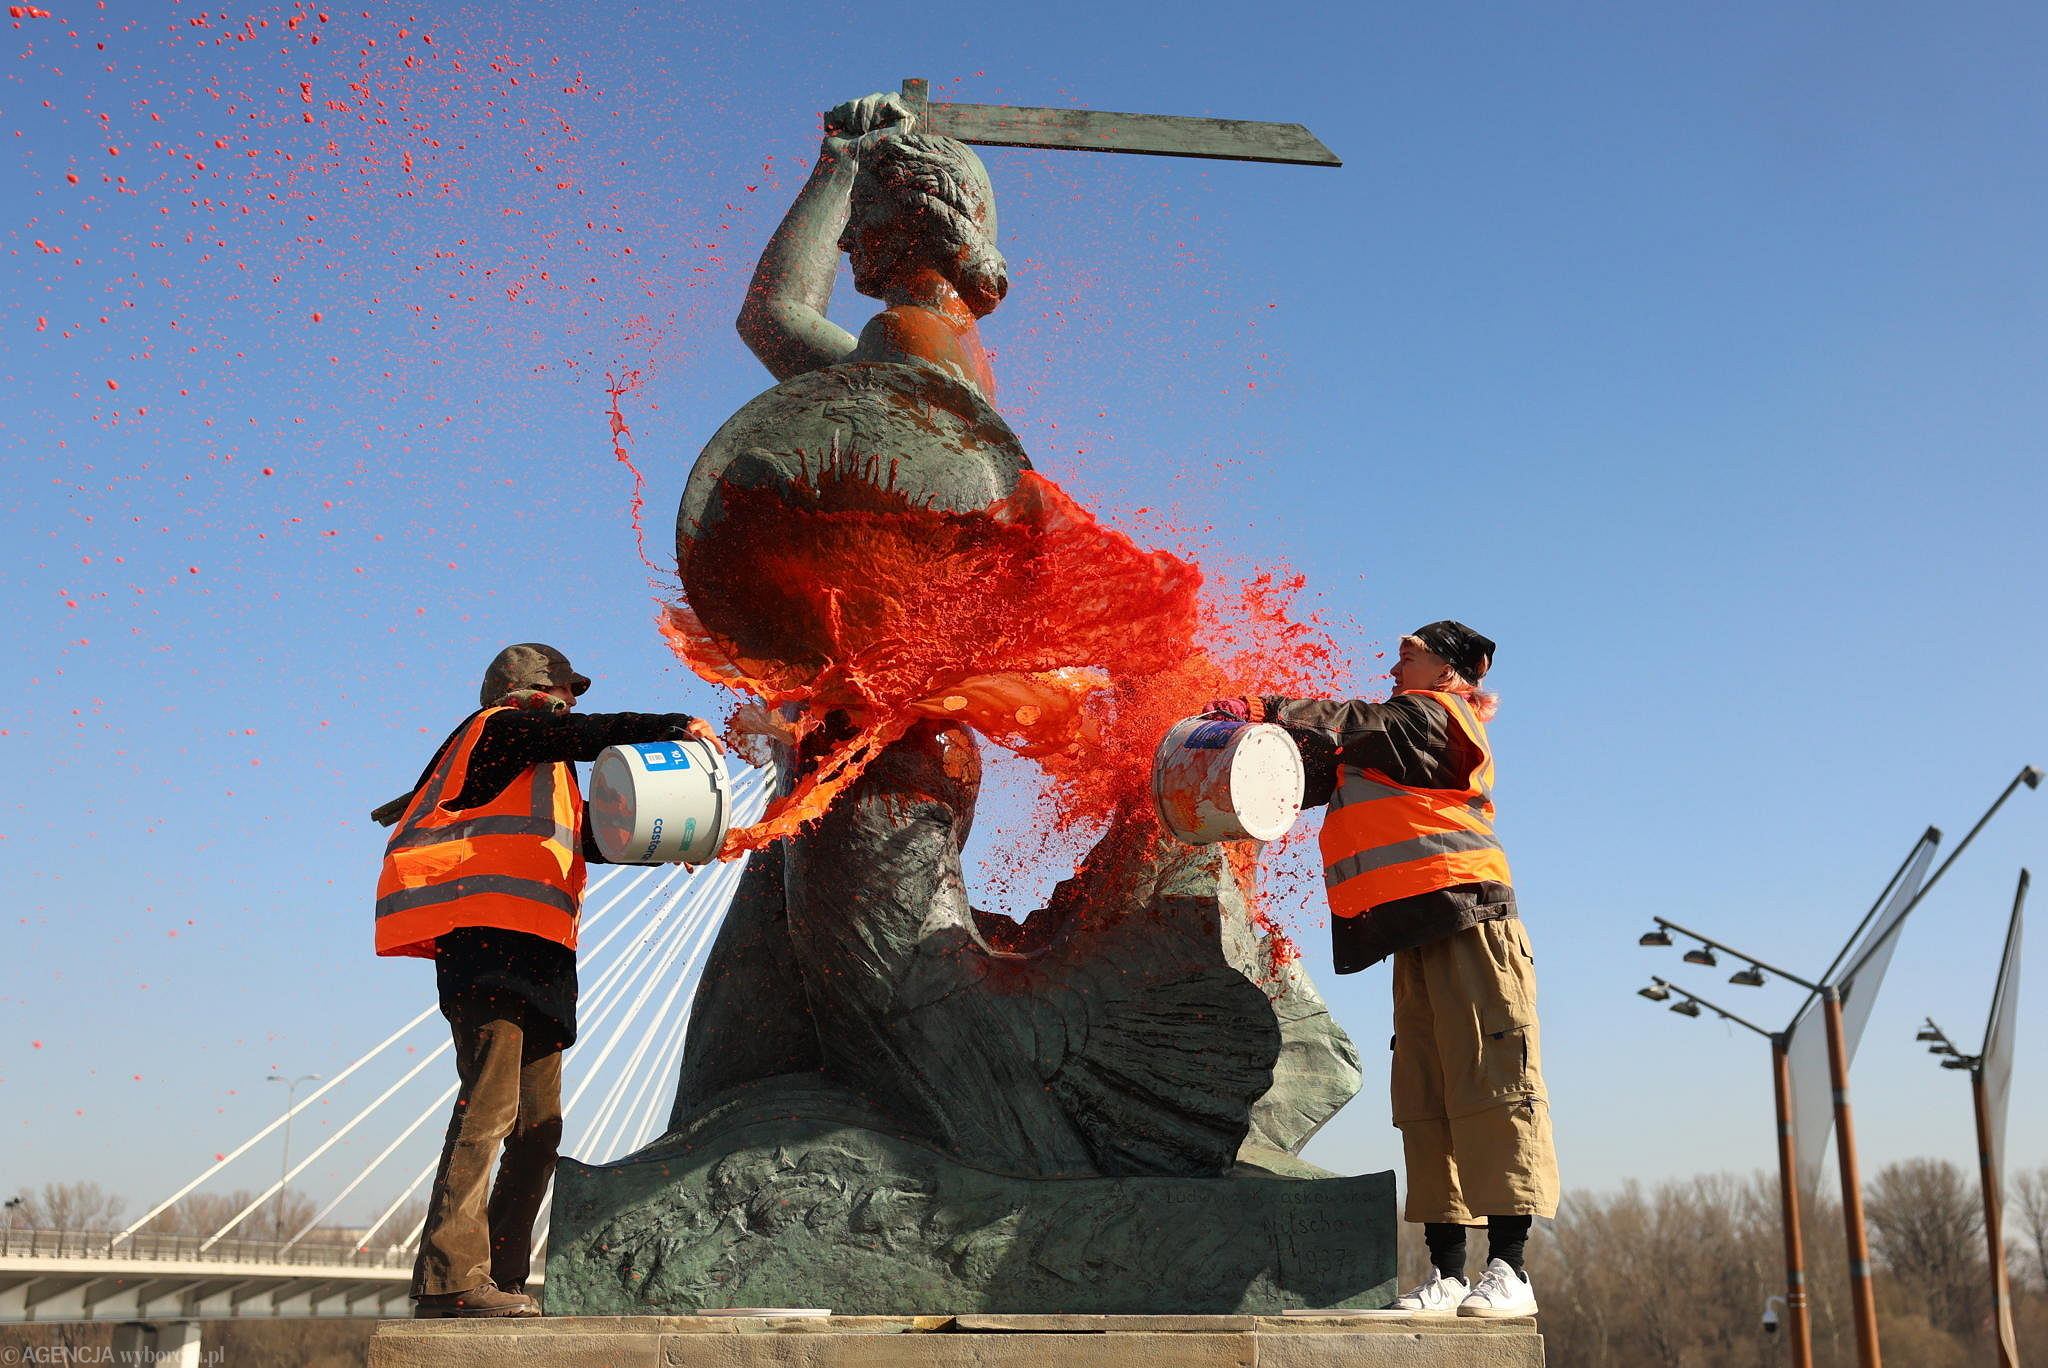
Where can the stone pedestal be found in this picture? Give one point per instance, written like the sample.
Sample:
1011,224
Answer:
959,1342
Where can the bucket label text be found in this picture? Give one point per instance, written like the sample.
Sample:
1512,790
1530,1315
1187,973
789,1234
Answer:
663,755
1211,735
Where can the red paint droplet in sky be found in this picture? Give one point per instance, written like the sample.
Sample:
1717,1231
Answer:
37,1043
71,176
268,471
113,151
316,315
113,384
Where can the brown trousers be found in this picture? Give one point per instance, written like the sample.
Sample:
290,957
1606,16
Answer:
511,1094
1468,1078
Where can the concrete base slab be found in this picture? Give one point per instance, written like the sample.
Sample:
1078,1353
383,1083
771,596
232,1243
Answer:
982,1341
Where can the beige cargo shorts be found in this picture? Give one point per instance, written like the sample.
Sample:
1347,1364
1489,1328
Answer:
1467,1078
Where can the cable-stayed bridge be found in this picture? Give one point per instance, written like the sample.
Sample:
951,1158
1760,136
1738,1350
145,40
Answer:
645,933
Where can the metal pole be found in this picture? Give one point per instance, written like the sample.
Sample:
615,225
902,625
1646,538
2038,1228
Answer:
1932,833
1721,1012
1861,1294
1709,941
284,1165
1797,1328
1994,1226
2029,776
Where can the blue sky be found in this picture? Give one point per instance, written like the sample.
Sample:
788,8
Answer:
1692,356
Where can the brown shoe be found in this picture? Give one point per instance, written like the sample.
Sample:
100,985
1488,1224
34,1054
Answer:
519,1290
482,1301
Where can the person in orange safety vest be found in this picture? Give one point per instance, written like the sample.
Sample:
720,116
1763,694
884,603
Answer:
1415,872
483,874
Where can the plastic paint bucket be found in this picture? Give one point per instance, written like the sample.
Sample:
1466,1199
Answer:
1219,779
659,802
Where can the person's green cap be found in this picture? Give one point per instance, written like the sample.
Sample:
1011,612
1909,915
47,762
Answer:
529,665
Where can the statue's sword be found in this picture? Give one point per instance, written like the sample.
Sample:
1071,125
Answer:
1098,130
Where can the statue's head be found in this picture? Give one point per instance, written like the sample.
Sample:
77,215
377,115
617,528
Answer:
924,201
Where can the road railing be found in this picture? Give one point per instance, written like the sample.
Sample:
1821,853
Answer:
164,1247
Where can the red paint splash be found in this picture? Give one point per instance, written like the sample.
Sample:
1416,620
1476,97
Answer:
1050,634
617,388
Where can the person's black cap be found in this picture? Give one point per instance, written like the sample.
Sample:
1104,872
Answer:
1467,652
529,665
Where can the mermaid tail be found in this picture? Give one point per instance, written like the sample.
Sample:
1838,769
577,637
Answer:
1110,1034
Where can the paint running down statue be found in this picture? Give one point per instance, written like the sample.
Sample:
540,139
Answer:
866,550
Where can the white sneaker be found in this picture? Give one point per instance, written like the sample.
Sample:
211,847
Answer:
1500,1292
1436,1296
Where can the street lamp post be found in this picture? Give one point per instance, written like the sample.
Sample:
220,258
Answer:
1829,991
284,1166
1799,1333
1988,1157
1862,1295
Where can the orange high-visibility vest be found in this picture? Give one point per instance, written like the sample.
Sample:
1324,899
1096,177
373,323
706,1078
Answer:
1382,841
515,863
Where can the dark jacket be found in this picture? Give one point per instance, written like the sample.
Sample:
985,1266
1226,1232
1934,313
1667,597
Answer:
481,965
1410,739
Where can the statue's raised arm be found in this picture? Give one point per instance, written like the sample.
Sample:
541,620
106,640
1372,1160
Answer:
916,215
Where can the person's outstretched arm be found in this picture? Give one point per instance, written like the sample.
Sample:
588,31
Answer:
515,739
783,321
1398,737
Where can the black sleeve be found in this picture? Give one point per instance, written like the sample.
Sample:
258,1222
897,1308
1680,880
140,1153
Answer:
517,739
1404,738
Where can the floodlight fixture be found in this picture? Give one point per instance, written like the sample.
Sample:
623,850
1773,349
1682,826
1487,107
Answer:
1702,956
1959,1062
2031,777
1927,1033
1686,1008
1659,937
1751,977
1656,992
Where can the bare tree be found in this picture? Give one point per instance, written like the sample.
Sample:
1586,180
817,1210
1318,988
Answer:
68,1206
2026,1217
1677,1274
404,1220
1927,1226
1606,1272
203,1213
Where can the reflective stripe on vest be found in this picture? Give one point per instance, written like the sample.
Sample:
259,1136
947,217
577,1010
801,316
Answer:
1382,841
515,862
